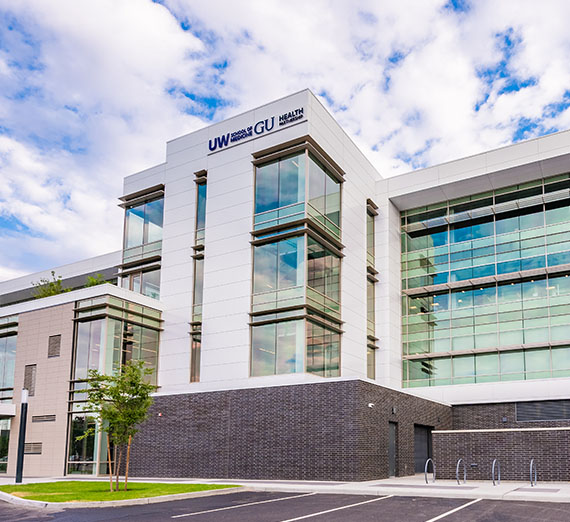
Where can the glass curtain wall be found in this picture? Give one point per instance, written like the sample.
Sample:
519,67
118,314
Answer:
279,275
484,237
7,369
104,345
283,186
296,274
530,237
144,223
279,348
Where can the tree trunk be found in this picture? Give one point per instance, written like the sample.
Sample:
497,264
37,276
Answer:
127,461
117,464
110,466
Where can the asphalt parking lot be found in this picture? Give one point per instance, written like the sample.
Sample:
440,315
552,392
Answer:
289,507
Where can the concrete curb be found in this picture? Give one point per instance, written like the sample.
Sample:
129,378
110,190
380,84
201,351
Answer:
7,497
471,493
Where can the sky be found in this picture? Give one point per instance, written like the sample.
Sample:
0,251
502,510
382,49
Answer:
90,91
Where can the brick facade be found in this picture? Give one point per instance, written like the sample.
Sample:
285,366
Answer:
513,449
321,431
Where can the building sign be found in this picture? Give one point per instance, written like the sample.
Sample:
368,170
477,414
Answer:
261,127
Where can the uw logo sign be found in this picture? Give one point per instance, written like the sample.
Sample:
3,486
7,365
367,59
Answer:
261,127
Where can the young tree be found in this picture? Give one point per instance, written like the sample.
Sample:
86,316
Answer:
47,288
121,403
95,280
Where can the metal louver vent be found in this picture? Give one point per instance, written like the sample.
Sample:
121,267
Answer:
54,345
43,418
33,448
543,411
30,379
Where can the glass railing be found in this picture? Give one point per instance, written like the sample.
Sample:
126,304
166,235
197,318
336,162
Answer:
294,212
295,296
142,252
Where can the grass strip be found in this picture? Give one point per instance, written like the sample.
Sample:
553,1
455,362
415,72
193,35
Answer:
89,491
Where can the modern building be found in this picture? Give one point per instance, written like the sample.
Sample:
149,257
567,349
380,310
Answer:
308,318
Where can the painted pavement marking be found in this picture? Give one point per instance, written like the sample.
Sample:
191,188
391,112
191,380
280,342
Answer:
241,505
337,509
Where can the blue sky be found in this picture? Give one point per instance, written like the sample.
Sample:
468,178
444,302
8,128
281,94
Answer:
90,92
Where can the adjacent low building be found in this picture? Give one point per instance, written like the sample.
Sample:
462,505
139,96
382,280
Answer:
308,318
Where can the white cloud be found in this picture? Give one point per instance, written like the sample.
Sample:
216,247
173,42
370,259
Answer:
84,101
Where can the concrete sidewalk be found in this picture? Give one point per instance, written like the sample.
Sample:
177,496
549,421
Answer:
413,486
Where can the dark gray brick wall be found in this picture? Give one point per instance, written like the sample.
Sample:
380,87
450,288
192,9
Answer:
513,449
490,416
321,431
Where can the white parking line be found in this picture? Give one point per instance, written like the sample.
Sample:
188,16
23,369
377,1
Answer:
337,509
241,505
443,515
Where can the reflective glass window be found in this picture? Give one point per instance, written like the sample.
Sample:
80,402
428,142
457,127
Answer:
323,270
486,365
324,191
198,280
144,223
370,306
278,265
277,348
512,365
151,284
267,187
509,292
201,211
534,289
280,183
7,361
134,226
153,220
323,351
371,363
464,369
89,339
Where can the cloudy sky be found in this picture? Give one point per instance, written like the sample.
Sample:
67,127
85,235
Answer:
90,90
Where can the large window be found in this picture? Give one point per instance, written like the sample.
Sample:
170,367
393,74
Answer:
324,194
88,352
4,443
7,363
323,351
296,280
144,223
201,213
105,345
278,348
280,183
198,289
295,187
323,270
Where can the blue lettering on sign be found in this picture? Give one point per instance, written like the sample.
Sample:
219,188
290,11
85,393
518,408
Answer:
259,128
219,142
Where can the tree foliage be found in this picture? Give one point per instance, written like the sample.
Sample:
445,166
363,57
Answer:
121,403
95,280
47,288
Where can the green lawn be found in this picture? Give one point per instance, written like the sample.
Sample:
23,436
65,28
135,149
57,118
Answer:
83,491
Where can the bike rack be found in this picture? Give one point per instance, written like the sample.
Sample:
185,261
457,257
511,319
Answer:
426,470
533,467
496,464
464,472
